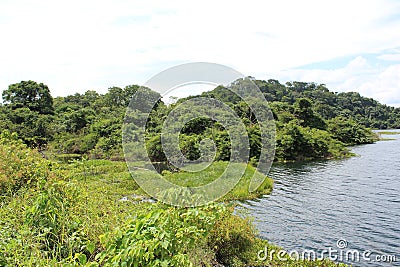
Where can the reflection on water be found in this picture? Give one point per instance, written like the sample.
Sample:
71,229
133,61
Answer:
315,204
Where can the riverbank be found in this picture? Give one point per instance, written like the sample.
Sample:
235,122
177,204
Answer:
90,213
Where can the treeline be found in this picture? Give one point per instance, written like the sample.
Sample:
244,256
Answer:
302,133
364,110
311,122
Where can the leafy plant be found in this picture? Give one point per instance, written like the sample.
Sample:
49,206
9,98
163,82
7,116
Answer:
162,237
20,166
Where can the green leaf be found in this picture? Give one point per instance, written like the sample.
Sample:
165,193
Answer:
82,258
90,247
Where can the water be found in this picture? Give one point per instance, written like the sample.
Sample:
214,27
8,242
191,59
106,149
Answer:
314,205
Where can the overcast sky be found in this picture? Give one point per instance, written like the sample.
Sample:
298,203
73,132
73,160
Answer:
74,46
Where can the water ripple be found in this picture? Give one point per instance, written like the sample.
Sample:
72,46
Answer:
315,204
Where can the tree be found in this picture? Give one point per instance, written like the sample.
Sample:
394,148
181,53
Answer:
304,112
32,127
29,94
349,131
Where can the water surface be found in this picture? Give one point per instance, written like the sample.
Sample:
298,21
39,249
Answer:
313,205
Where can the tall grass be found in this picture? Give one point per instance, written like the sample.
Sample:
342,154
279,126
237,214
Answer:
90,213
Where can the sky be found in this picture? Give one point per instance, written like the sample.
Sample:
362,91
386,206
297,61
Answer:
74,46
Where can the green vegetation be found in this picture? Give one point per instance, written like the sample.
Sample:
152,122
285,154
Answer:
67,198
328,105
388,133
385,135
239,192
302,132
310,121
91,213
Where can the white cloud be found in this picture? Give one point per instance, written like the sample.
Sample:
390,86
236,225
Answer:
390,57
79,45
386,86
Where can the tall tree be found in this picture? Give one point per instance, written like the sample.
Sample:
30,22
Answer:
29,94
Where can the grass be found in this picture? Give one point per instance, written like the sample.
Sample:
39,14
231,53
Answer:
106,182
215,170
388,133
101,175
387,139
97,197
380,138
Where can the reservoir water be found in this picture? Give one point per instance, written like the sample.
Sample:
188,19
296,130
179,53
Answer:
351,204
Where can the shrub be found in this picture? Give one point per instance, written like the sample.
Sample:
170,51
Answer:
350,132
20,166
49,218
43,227
232,238
163,237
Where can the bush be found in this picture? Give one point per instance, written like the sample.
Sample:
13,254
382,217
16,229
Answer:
20,166
304,143
232,238
350,132
49,218
163,237
321,144
37,225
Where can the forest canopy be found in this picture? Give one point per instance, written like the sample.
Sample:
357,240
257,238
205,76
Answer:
311,121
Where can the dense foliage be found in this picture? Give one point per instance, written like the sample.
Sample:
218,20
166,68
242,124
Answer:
20,166
74,215
365,111
91,212
302,132
311,121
